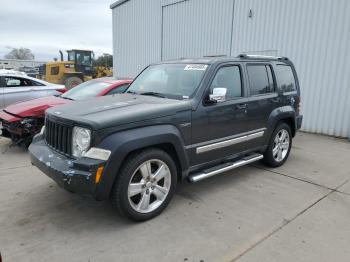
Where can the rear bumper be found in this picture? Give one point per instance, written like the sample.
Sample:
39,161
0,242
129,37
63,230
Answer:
298,121
73,175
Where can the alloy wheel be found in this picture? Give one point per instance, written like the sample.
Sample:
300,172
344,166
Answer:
281,145
149,186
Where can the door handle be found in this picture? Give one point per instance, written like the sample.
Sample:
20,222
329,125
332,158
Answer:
242,106
275,99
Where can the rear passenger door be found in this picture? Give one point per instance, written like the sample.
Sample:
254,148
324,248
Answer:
263,98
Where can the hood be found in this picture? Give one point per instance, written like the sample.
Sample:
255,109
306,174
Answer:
119,109
35,107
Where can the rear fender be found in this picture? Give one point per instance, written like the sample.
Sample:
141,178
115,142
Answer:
123,143
286,113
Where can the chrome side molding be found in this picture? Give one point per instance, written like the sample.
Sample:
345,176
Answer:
242,162
230,142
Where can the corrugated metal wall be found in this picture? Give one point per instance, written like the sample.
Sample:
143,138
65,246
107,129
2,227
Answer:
184,28
315,34
136,36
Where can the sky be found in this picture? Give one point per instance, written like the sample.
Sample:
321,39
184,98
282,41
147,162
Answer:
47,26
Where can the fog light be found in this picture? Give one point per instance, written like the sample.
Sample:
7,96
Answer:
98,174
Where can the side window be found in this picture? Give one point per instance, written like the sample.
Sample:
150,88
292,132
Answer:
285,78
16,81
118,90
54,70
260,78
228,77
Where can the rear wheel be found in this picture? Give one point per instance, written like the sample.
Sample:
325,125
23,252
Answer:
279,147
73,81
145,185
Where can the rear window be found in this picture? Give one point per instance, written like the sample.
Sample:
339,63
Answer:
260,79
285,78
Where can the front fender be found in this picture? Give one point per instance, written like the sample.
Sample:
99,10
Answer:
122,143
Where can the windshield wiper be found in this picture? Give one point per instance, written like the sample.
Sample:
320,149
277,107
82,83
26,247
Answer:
153,94
131,92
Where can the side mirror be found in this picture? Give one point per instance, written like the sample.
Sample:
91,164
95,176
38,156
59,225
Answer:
218,95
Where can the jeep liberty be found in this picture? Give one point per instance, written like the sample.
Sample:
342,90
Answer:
184,119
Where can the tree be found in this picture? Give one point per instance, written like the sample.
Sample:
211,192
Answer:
104,60
20,53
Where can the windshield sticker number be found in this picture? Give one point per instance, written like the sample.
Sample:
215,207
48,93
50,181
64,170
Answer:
195,67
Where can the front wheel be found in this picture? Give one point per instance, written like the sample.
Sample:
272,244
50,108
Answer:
145,185
72,82
279,147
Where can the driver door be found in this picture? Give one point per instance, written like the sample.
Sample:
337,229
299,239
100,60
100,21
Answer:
215,126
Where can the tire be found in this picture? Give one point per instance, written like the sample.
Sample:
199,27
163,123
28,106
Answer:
279,146
73,81
135,195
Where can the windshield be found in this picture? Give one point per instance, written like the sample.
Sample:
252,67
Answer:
83,59
85,90
170,80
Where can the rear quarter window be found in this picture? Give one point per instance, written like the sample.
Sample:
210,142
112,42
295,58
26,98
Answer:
285,78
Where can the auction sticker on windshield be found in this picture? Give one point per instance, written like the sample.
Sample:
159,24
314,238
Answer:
196,67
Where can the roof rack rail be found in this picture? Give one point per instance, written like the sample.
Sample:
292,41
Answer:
262,57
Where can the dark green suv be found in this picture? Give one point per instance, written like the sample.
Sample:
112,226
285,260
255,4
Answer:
184,119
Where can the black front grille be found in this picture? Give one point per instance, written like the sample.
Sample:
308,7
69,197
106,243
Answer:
58,136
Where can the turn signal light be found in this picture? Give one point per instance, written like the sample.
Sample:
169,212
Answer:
98,174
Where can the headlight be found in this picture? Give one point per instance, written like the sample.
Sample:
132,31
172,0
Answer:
80,141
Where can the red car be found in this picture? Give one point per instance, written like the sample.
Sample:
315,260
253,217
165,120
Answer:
21,121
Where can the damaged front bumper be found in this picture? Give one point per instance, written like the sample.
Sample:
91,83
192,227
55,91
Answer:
20,130
73,175
7,121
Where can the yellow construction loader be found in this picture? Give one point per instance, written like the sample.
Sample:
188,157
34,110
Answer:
102,71
70,73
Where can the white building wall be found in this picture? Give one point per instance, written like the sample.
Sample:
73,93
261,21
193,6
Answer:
136,36
314,34
188,33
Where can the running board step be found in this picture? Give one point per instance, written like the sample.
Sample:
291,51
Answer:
224,167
